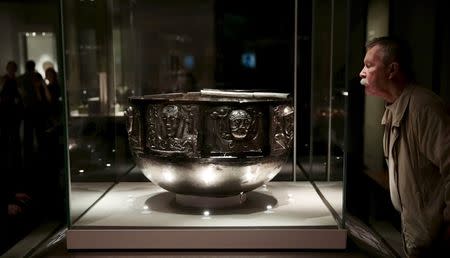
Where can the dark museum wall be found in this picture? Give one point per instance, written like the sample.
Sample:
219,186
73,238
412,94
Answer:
426,25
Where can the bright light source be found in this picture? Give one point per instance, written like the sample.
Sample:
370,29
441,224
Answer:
168,175
290,199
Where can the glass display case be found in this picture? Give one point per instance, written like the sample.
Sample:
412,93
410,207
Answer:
205,124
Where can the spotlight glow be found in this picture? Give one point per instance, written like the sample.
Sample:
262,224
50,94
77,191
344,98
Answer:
269,209
208,175
168,175
290,199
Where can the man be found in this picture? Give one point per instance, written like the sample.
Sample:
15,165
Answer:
416,146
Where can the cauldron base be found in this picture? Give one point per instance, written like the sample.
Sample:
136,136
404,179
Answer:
210,202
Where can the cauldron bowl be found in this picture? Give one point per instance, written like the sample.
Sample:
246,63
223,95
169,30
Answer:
211,143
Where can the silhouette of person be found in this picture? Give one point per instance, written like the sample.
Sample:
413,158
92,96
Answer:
31,89
53,147
14,200
53,99
11,70
11,114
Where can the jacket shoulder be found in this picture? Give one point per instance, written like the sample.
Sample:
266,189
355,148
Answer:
422,98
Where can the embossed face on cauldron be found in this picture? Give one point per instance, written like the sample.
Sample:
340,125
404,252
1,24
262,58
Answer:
240,122
288,120
171,119
129,113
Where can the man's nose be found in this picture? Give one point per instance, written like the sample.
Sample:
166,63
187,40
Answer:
362,74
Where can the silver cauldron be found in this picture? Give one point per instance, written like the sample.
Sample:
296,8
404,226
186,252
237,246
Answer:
211,143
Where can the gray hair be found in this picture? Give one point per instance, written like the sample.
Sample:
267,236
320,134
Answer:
395,50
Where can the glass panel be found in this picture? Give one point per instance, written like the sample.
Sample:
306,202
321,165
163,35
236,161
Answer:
31,110
338,112
325,162
135,48
98,148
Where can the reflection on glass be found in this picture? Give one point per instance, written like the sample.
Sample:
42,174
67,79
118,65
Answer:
120,48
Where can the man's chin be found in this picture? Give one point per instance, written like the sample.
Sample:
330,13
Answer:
373,93
368,91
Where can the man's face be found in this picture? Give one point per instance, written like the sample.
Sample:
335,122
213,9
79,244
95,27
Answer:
374,73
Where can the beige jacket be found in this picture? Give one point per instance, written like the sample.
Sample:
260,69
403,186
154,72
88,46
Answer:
417,130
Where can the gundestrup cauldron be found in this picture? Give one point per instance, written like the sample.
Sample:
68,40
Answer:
212,143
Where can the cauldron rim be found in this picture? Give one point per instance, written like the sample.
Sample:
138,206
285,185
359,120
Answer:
199,97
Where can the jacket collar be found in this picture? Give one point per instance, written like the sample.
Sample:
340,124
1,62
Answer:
395,111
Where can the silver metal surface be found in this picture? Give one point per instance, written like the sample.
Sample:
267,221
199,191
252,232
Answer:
242,94
210,177
211,146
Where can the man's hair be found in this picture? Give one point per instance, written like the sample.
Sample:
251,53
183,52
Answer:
395,50
11,63
30,65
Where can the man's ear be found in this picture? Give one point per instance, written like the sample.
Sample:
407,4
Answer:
393,70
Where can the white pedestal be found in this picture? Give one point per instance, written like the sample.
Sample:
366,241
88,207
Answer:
281,215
